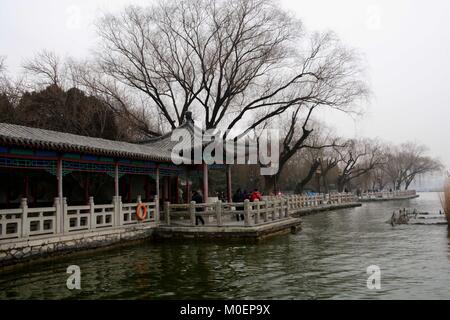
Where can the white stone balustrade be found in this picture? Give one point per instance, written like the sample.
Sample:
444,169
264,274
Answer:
25,222
388,195
271,209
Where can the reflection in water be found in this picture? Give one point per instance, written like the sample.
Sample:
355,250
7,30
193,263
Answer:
326,260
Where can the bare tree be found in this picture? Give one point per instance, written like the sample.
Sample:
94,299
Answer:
87,76
46,68
318,152
358,158
406,162
227,61
2,64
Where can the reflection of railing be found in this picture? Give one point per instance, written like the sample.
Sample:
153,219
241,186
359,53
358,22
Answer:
61,219
251,213
388,195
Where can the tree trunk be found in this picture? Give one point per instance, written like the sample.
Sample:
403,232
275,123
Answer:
270,184
301,185
325,184
340,183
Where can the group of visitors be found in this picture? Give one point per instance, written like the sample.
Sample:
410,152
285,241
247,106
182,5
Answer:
240,196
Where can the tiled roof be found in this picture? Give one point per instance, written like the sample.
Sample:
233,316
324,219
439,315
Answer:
165,141
15,135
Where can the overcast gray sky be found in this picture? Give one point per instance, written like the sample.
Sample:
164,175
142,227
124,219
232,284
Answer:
406,45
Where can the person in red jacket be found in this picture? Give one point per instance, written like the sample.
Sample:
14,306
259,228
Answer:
255,196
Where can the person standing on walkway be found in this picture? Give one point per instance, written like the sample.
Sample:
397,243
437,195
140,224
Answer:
255,196
197,197
238,197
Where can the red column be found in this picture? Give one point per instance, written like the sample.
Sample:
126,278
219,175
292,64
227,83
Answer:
86,189
26,184
165,189
129,189
188,191
147,189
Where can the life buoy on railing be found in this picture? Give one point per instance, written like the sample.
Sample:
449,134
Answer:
141,211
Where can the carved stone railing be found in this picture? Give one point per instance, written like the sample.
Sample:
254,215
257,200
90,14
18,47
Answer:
388,195
247,213
60,219
226,214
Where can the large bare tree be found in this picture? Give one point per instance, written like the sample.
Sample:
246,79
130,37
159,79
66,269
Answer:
358,158
408,161
235,63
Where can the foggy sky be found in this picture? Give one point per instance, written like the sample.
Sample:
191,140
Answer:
406,47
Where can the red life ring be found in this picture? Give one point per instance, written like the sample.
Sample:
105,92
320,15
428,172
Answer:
141,211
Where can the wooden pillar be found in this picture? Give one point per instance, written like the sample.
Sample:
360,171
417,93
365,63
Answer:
157,183
157,206
228,177
205,183
177,191
188,189
130,198
146,189
165,188
26,184
86,190
117,201
116,180
59,177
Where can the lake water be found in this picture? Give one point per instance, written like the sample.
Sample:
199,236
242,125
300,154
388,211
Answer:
328,259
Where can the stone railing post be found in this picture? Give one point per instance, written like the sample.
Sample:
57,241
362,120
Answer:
266,211
274,211
58,215
192,212
219,213
115,202
167,212
288,207
25,224
281,211
258,212
65,218
92,220
156,209
119,211
246,212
